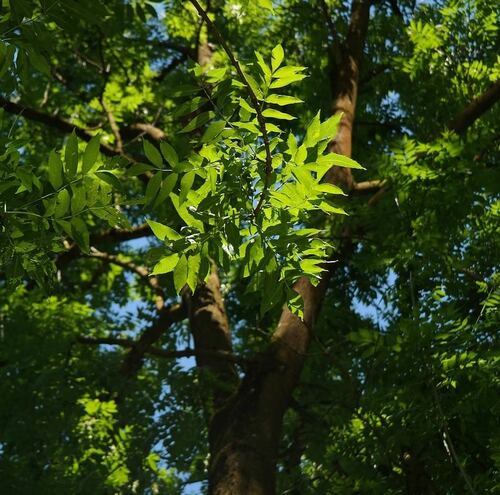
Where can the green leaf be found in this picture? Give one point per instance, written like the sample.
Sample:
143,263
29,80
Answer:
169,154
330,189
90,154
245,105
71,155
78,200
110,179
232,234
167,186
152,154
139,169
55,170
163,232
198,121
152,188
313,132
267,4
283,100
255,87
328,208
80,234
186,185
213,130
190,106
264,67
62,203
185,215
311,266
277,56
288,71
166,265
181,274
194,263
328,129
285,81
276,114
39,62
343,161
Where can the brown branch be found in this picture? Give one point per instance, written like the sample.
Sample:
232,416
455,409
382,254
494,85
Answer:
210,330
152,131
170,68
163,353
114,127
255,101
459,124
121,235
376,71
108,236
139,270
168,316
368,186
475,109
57,123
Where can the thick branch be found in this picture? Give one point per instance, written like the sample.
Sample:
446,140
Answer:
168,316
459,124
64,126
108,236
121,235
328,18
475,109
210,330
57,123
139,128
254,415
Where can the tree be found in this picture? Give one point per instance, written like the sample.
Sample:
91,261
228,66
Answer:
185,300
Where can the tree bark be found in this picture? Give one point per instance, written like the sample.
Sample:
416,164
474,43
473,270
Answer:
245,433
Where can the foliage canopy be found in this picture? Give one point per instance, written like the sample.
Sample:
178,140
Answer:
215,278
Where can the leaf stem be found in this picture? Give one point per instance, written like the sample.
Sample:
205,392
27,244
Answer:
255,101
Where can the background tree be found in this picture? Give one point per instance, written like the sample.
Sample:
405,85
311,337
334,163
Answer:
159,201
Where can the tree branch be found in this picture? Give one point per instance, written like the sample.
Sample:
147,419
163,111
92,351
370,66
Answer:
459,124
170,67
168,316
108,236
255,101
368,186
210,330
163,353
139,270
57,123
139,128
114,127
475,109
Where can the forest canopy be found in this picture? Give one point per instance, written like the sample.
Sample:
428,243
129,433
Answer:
249,247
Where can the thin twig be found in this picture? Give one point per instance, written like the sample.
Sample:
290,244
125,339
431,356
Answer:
255,101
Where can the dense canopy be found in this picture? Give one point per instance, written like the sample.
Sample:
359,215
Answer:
249,247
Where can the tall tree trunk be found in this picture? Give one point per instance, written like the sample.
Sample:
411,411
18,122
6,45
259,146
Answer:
245,433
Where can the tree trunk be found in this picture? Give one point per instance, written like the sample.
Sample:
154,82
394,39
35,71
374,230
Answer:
245,433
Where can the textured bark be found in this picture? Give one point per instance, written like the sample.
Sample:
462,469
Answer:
245,432
475,109
211,334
